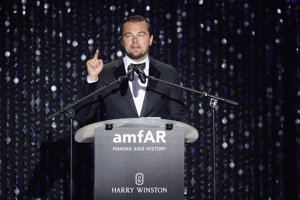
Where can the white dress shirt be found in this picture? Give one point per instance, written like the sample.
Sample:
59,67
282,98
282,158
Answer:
137,88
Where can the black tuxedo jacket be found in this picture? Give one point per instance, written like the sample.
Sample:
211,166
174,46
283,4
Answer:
161,100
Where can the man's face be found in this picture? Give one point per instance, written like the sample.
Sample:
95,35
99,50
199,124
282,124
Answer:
136,40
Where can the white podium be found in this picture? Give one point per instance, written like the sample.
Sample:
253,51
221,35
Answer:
138,158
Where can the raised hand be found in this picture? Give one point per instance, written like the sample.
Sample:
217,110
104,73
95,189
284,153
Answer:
94,66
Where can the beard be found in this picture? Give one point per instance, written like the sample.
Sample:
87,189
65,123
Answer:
136,56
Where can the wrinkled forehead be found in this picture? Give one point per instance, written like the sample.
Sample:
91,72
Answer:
135,27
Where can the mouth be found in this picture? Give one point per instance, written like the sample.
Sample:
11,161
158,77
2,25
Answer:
135,47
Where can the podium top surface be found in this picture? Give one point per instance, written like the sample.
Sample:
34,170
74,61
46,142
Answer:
86,133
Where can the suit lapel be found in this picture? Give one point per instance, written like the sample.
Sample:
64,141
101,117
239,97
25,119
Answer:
153,71
119,70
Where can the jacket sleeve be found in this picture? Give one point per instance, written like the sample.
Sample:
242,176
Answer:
86,109
176,106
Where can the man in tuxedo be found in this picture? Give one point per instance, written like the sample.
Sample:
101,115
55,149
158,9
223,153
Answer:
132,98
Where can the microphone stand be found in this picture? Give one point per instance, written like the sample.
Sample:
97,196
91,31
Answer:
213,104
71,113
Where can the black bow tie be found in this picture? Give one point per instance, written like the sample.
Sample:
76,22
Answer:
137,66
139,69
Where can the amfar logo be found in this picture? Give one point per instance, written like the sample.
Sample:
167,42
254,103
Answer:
141,137
139,179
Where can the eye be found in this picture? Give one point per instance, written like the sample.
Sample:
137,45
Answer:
141,35
128,35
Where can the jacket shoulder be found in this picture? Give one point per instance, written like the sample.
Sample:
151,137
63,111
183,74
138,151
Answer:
114,63
162,66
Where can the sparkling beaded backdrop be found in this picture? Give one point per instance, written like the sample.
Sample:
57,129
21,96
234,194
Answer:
242,50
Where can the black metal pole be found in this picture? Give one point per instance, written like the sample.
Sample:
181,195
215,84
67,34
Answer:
70,114
213,103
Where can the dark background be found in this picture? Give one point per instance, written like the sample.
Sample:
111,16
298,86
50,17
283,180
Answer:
247,51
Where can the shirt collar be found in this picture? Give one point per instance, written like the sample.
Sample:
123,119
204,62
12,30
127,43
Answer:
127,61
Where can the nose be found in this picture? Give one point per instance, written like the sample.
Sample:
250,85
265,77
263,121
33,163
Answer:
135,38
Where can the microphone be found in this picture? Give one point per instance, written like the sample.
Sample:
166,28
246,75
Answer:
130,73
141,74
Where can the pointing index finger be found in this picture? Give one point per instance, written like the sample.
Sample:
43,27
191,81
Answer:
96,54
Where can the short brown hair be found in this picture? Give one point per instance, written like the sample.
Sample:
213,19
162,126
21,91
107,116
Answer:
136,18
